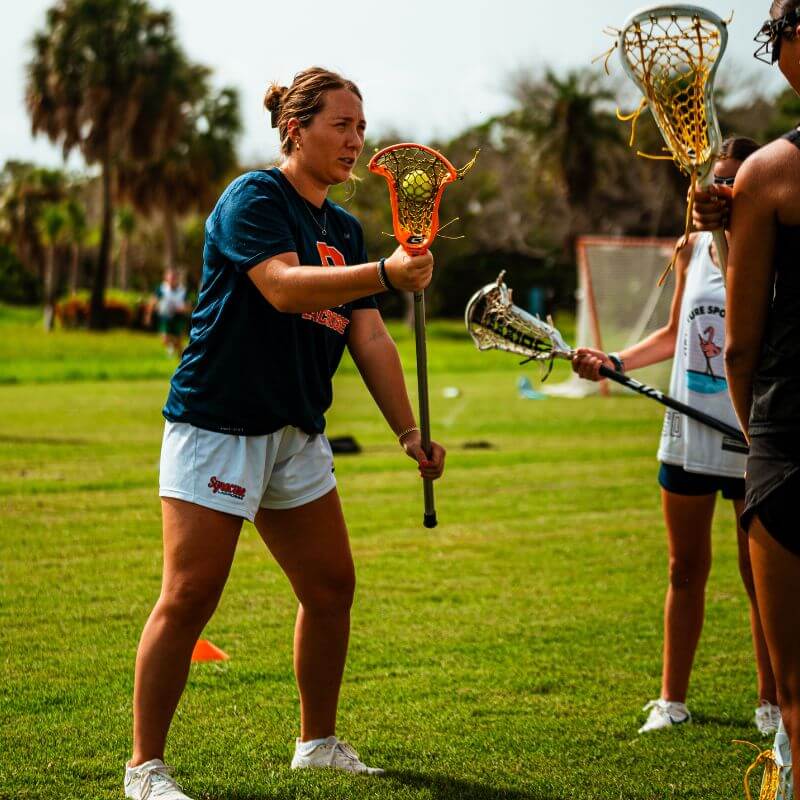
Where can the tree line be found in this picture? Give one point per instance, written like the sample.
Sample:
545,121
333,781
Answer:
109,79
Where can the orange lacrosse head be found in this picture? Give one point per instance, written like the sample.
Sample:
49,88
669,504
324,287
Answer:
416,176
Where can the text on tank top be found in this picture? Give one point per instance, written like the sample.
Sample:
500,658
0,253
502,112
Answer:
698,375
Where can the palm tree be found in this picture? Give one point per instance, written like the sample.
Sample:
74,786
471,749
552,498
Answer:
24,190
188,175
76,233
107,77
51,224
126,224
563,115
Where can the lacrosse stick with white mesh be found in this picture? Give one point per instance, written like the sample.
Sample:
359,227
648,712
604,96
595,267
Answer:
416,176
495,323
671,53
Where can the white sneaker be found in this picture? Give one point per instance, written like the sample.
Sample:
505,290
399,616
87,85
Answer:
664,714
152,781
331,753
768,718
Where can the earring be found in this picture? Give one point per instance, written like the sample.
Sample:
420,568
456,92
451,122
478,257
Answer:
297,143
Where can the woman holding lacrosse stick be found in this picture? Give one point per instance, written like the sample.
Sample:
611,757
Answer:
696,461
762,358
244,437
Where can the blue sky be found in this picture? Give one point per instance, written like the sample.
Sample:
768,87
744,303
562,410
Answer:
425,68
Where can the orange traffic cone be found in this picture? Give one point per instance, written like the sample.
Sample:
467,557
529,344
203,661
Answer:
205,651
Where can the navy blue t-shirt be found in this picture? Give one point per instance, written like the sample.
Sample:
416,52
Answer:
249,369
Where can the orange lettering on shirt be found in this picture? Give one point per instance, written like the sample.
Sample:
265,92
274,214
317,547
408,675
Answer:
330,256
330,319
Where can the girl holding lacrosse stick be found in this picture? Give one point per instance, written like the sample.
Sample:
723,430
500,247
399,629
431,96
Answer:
244,437
762,359
696,462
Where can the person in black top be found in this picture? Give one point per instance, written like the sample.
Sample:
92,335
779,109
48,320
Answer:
286,286
762,358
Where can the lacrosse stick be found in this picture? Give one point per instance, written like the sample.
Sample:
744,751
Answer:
672,54
416,176
770,779
494,323
776,779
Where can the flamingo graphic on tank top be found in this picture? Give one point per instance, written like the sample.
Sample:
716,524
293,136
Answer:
709,349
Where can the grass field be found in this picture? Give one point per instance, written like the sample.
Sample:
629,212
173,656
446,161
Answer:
505,654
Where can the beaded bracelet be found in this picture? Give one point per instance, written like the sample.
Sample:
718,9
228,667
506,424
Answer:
406,432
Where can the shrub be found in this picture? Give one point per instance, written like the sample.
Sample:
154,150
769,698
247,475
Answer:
17,284
123,310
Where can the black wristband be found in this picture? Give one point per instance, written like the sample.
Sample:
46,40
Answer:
619,364
383,276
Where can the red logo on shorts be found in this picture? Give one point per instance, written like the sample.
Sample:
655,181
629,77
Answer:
230,489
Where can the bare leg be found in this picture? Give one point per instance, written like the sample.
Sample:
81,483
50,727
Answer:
175,344
172,344
199,544
776,572
766,680
688,522
310,543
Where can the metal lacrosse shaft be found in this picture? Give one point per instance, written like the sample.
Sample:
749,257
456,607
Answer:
675,405
417,176
664,399
513,329
429,519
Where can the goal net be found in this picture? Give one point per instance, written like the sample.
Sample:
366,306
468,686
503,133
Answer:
618,302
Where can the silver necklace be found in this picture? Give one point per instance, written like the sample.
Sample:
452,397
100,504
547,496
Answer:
324,226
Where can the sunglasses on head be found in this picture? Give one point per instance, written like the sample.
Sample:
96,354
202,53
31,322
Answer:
771,35
720,181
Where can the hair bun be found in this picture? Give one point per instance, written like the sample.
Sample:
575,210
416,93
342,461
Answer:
273,100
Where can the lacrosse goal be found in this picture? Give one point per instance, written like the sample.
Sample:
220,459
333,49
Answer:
618,302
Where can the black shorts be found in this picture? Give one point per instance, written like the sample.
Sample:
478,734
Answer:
773,486
677,480
172,325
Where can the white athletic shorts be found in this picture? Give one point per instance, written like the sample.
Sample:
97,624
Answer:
240,474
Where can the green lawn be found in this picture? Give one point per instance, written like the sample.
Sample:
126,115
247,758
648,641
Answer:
505,654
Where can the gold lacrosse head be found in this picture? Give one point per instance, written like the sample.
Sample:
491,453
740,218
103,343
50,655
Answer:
416,176
672,53
771,775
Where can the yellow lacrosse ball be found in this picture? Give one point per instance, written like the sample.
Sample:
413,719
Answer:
417,185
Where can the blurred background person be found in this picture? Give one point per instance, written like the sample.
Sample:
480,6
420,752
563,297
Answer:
171,309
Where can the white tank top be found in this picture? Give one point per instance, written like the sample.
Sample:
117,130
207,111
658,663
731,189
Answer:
698,375
169,299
